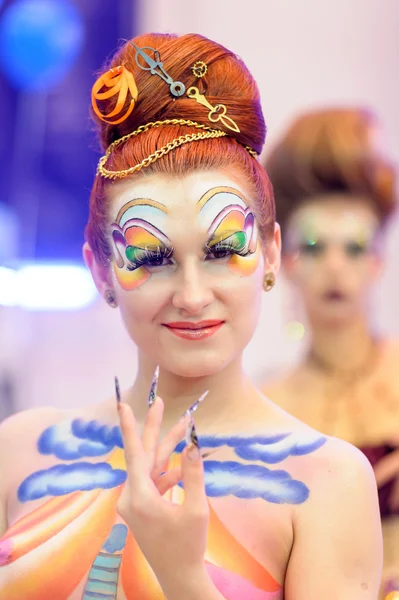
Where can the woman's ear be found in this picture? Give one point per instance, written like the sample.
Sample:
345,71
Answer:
272,252
100,273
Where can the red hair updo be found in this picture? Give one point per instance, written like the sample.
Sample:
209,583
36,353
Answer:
227,82
331,151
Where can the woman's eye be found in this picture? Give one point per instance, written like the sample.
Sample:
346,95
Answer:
216,253
155,261
150,262
234,243
355,249
314,250
143,257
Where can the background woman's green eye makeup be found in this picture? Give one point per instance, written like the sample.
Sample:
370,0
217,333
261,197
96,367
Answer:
315,249
355,249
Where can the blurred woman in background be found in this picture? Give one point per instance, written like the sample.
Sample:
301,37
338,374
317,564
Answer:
335,192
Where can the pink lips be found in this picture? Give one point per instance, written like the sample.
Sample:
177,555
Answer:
194,331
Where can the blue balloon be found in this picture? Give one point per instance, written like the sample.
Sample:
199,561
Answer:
40,41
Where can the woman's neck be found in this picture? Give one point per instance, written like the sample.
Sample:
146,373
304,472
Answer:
342,348
230,393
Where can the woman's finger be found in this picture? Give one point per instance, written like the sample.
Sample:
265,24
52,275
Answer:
194,483
168,480
151,430
168,445
135,457
193,474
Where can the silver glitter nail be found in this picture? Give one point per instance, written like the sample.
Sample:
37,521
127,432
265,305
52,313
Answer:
195,405
191,434
154,386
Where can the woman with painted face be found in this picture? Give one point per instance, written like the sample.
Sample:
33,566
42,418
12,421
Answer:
335,191
132,499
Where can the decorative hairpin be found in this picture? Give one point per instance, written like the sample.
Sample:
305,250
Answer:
216,113
120,81
199,69
177,88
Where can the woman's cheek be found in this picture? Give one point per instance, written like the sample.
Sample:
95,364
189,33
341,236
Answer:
244,265
130,280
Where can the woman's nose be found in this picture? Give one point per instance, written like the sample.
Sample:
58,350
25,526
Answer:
335,260
193,291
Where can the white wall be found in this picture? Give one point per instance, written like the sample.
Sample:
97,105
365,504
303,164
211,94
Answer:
303,53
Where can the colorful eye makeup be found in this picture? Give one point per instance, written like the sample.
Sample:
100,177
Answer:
351,248
139,246
313,235
232,230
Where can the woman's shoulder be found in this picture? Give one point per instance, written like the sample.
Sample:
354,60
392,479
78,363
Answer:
342,489
327,455
33,420
27,421
22,430
340,459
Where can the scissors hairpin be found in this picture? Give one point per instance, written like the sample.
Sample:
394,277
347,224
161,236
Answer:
216,113
177,88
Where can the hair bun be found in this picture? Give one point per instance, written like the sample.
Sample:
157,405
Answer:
225,95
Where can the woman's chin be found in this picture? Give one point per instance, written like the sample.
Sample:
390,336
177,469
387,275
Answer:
339,315
190,366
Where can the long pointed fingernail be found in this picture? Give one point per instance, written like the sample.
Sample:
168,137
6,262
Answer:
194,406
117,392
153,389
206,454
193,450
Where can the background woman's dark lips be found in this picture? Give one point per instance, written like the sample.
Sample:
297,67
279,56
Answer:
334,295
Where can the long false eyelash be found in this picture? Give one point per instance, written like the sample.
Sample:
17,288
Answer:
233,244
145,255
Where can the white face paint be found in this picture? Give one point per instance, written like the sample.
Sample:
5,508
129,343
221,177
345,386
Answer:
213,268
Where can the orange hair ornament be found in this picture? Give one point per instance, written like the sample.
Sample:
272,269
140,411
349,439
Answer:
120,82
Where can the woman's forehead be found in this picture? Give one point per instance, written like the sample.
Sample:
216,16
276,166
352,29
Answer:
158,193
334,216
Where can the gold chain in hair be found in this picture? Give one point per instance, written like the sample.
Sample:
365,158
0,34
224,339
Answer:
207,132
251,151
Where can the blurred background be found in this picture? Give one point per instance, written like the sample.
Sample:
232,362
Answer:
59,343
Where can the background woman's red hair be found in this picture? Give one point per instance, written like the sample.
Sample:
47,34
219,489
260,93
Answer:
331,151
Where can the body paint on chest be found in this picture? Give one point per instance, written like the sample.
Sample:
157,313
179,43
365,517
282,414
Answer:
75,527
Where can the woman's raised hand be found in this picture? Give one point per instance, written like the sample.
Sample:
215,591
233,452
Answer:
172,537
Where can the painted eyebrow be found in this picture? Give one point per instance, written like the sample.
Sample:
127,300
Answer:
219,190
141,202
